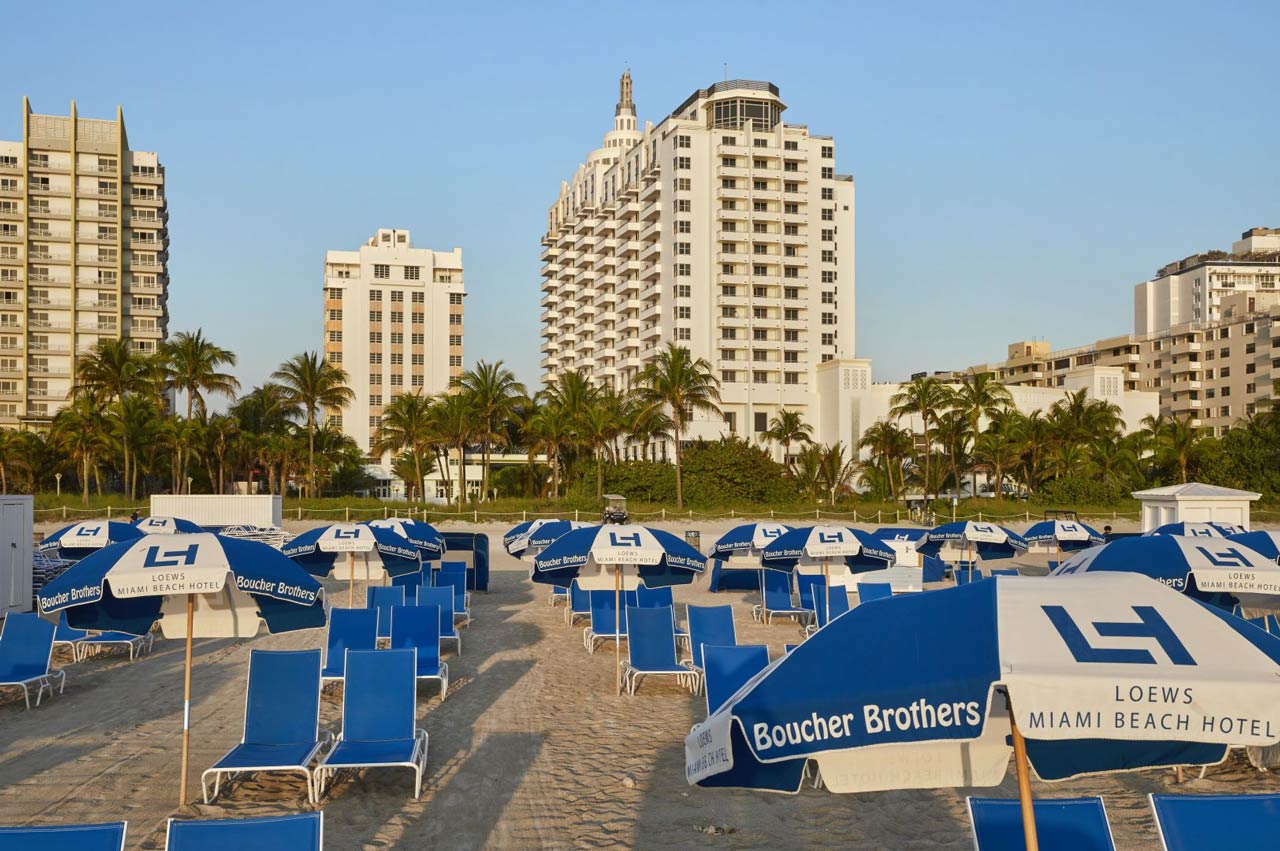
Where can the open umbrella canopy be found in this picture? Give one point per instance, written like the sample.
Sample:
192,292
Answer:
645,556
747,539
1065,534
326,551
1197,530
424,536
1214,570
807,549
1101,672
538,535
987,539
80,539
166,526
1263,543
239,585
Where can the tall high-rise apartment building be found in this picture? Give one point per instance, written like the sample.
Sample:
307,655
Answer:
721,229
84,247
393,322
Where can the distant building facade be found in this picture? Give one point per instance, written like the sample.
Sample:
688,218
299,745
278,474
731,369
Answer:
84,251
393,321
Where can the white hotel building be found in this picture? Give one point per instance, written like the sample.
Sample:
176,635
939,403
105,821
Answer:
721,229
393,322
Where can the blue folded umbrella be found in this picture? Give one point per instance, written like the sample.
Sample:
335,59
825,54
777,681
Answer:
747,538
1067,535
422,535
537,535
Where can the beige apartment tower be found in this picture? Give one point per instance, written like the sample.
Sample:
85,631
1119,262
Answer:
721,229
84,247
393,322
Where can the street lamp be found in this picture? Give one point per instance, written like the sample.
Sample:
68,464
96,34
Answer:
58,477
188,485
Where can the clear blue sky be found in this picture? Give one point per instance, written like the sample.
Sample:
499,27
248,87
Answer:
1017,169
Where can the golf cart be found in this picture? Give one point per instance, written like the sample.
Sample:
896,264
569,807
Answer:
615,509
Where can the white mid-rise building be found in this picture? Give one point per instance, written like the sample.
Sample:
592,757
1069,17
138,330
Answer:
393,322
721,229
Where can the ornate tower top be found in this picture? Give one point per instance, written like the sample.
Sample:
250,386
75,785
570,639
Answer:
625,105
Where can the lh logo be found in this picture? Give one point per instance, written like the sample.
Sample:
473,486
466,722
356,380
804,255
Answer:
171,558
1149,625
346,534
1230,557
89,531
830,537
1070,527
982,527
771,533
632,540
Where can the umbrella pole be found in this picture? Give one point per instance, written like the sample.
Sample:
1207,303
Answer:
826,588
351,579
186,702
617,627
1024,785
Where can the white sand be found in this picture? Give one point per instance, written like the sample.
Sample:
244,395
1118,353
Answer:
531,750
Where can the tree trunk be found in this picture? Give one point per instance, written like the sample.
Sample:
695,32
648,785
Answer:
679,486
84,480
462,473
311,454
599,472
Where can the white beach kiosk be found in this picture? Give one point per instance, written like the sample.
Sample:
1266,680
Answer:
1195,502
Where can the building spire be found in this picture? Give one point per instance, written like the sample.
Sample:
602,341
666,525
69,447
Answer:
625,104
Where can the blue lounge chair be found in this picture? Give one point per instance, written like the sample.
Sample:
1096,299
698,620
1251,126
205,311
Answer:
460,568
112,640
379,705
1216,822
281,720
1005,571
349,629
709,625
965,575
1062,824
382,598
579,604
605,625
839,596
651,649
775,593
868,591
809,585
417,628
727,669
657,598
26,656
410,581
301,832
933,569
68,637
442,599
66,837
458,582
558,593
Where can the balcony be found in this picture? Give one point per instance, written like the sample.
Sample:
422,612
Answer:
98,259
98,237
98,327
145,264
146,199
148,217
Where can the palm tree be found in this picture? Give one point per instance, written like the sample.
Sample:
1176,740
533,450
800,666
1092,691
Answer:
111,370
598,424
925,397
953,433
454,421
1179,441
192,363
1113,460
836,471
999,452
682,384
549,431
313,383
78,430
889,444
807,471
786,428
494,391
221,434
406,426
978,396
648,427
10,447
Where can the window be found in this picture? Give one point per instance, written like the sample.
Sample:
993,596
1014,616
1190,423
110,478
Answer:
417,298
791,292
791,209
335,336
397,296
728,333
791,187
335,315
728,140
1225,392
760,334
728,354
333,294
791,165
791,314
397,317
828,297
381,270
828,194
1251,388
1225,372
375,379
416,380
454,318
828,173
828,339
791,357
684,312
455,360
417,318
375,337
759,313
728,376
828,235
730,227
828,277
791,230
684,205
683,162
729,162
413,273
684,141
760,270
760,248
375,315
1250,368
728,313
375,357
397,380
683,291
683,226
416,360
728,204
375,295
455,298
684,248
397,338
760,185
828,256
791,272
683,334
1250,348
418,339
684,184
791,146
684,270
759,356
828,151
791,377
761,420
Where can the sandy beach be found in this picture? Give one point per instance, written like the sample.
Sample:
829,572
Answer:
531,750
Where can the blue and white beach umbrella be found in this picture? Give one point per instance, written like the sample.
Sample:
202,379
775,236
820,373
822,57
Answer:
988,540
621,557
383,554
1217,571
80,539
424,536
812,549
166,526
538,535
1197,530
1066,535
1101,672
747,539
1264,543
198,586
